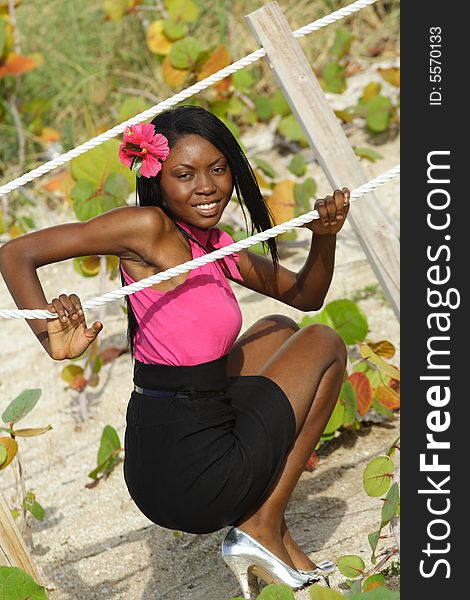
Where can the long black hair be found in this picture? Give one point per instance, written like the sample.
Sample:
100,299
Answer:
185,120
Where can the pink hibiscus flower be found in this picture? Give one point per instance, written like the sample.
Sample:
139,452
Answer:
143,149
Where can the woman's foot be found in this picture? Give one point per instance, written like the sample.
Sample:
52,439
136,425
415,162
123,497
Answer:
272,541
299,559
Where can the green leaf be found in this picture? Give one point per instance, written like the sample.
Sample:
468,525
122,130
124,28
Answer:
377,476
346,318
174,30
290,128
319,592
70,372
2,34
232,126
276,592
351,566
393,448
21,406
378,113
346,115
265,167
182,10
342,44
32,431
185,53
97,364
242,80
297,165
102,467
241,235
38,511
131,107
250,117
355,588
382,410
367,353
89,201
334,78
11,446
336,419
287,236
109,443
375,376
30,503
28,222
38,106
303,195
373,541
280,105
302,200
390,506
263,107
116,185
235,106
3,454
371,90
348,398
83,191
115,9
87,266
259,249
106,466
308,320
367,153
380,593
15,584
96,164
219,108
373,582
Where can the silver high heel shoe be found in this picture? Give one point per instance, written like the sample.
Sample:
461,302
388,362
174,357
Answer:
322,571
248,559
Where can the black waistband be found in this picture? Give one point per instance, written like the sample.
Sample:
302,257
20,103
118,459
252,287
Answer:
208,376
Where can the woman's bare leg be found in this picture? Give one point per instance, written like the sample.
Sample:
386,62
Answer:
320,358
255,347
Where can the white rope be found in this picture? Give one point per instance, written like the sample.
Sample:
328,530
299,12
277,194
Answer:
203,260
176,99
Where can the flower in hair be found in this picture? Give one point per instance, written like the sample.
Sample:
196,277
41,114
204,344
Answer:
143,150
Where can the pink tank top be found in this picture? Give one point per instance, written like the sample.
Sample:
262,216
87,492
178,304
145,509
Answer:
196,322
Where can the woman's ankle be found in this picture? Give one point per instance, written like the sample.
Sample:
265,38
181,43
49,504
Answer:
261,532
298,556
258,526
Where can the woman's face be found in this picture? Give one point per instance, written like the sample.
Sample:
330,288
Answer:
196,182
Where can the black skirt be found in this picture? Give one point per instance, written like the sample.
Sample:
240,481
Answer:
206,450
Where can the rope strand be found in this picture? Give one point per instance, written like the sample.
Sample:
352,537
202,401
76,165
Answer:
198,262
176,99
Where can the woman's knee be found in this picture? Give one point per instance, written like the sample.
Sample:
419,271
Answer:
328,340
280,322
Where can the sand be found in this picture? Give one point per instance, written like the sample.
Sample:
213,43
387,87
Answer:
94,543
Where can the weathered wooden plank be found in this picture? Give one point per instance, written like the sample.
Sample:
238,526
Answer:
330,144
13,550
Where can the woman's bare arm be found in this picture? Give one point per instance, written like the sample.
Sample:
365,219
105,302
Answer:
116,232
306,289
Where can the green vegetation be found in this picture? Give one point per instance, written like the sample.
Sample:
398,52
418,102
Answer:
94,64
71,69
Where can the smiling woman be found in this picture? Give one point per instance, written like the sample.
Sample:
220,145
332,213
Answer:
196,179
218,427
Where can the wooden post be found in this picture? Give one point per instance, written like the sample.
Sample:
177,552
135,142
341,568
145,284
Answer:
13,550
329,142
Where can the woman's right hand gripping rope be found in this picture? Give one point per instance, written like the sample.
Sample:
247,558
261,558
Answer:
69,336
